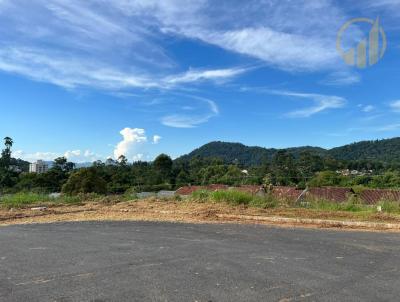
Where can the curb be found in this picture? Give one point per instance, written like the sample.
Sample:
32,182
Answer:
321,222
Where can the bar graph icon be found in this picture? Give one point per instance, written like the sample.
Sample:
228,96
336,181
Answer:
369,50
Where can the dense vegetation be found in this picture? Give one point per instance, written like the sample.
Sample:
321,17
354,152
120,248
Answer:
232,164
386,151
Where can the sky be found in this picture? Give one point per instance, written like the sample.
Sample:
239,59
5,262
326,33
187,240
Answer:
96,79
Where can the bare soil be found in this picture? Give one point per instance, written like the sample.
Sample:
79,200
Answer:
181,211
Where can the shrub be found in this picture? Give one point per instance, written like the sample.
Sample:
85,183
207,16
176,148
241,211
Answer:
390,206
201,195
22,199
232,197
264,202
130,194
235,198
85,181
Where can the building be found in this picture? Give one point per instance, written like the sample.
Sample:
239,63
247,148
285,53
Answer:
38,167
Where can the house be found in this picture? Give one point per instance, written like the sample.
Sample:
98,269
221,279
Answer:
38,167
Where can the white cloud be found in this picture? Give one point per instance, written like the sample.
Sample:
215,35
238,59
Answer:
283,50
367,108
55,68
76,156
321,102
138,157
395,105
74,153
287,36
118,44
156,139
79,156
185,120
201,75
132,139
391,127
47,156
90,43
341,78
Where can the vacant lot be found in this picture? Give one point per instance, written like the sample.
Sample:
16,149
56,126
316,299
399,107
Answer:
178,211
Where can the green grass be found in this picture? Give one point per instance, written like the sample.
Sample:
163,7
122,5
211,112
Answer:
326,205
242,198
23,199
234,198
201,195
390,206
353,205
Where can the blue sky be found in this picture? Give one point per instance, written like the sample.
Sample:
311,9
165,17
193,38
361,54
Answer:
96,79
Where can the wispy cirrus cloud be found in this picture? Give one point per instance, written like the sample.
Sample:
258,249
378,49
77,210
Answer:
283,35
71,72
395,105
202,75
321,102
342,78
119,44
92,43
205,109
367,108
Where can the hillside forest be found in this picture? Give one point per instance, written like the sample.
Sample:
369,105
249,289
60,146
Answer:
361,165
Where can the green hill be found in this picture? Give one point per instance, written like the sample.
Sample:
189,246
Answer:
387,150
239,153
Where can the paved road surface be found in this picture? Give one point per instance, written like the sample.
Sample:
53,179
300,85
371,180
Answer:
144,261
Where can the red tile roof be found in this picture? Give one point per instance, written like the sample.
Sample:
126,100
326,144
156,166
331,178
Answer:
331,193
375,196
292,193
216,187
187,190
252,189
282,192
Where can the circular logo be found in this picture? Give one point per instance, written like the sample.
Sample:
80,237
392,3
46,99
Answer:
369,50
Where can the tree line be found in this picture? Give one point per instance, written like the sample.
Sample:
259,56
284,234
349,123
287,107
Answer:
118,176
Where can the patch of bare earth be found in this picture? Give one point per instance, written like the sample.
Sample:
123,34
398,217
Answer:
185,211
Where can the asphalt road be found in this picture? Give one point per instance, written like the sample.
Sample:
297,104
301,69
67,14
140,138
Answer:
145,261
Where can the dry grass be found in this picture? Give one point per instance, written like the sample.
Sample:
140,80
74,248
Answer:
174,211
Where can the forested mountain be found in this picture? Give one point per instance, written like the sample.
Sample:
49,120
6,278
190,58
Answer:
387,150
241,154
374,164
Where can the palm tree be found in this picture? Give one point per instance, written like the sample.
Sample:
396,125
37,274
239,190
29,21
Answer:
8,141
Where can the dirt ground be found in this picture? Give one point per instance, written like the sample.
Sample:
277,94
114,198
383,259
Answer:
182,211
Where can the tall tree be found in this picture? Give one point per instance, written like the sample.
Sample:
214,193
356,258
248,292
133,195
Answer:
7,174
163,166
